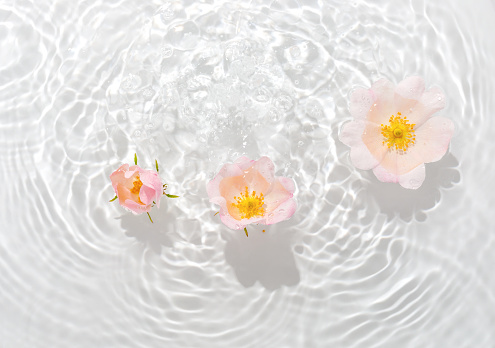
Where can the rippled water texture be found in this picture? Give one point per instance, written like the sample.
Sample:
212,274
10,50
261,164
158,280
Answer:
84,85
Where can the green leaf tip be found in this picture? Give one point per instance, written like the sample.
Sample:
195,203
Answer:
156,164
149,217
171,196
245,230
135,159
113,199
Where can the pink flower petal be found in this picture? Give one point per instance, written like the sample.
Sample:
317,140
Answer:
384,106
229,221
413,179
228,170
361,101
147,195
384,175
287,183
400,163
362,158
411,88
433,138
265,167
136,207
118,176
230,188
283,212
366,142
432,101
373,139
407,95
275,197
153,185
351,132
244,163
410,180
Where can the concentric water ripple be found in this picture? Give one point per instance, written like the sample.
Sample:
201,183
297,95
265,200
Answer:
194,85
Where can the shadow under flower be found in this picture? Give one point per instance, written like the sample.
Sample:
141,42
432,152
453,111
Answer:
264,257
408,204
154,235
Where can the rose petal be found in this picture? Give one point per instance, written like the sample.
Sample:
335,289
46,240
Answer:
400,163
410,180
383,107
407,94
147,195
362,158
384,175
432,101
433,138
361,101
228,170
352,131
275,197
136,207
229,221
411,88
244,162
265,167
118,176
283,212
288,184
374,140
152,181
413,179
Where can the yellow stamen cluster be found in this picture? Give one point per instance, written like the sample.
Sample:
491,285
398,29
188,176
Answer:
398,133
136,185
250,205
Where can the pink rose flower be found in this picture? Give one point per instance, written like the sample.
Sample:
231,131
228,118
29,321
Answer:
393,131
137,188
249,192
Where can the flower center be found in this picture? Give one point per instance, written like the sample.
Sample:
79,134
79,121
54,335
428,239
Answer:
250,205
398,133
137,183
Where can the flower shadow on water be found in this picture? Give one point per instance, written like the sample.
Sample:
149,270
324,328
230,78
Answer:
154,235
410,204
265,257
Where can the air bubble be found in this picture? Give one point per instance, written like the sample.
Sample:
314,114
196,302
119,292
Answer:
131,82
167,51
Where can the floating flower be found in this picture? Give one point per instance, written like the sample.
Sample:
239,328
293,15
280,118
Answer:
138,189
248,192
393,131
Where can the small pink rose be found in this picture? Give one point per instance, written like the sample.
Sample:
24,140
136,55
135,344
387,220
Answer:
249,192
394,132
137,188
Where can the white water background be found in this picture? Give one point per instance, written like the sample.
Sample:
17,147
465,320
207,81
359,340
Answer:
195,84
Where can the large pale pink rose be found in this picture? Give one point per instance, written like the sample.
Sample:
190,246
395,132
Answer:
394,132
137,188
249,192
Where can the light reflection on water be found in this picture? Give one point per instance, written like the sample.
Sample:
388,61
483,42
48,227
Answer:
194,85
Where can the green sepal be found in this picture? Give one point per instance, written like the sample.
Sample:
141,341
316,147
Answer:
156,164
135,159
245,230
149,217
113,199
171,196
